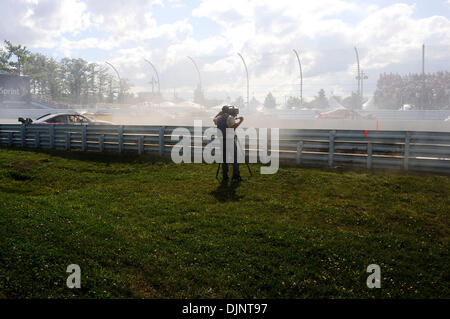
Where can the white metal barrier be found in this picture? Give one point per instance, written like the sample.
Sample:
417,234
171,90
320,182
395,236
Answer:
417,151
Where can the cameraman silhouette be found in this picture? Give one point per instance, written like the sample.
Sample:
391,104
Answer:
226,119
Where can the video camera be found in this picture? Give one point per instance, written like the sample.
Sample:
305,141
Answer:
231,110
26,121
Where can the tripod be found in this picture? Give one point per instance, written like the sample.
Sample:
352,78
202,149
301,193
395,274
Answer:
242,152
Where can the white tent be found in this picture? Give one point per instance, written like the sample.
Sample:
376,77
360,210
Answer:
334,104
369,105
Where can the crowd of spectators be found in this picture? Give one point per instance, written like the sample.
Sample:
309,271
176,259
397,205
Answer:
429,91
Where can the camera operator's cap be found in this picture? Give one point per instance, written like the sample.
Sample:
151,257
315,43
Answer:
225,108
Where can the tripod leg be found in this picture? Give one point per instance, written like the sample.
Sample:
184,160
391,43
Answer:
243,152
218,169
249,170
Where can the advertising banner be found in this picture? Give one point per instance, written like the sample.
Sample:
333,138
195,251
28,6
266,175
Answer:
14,88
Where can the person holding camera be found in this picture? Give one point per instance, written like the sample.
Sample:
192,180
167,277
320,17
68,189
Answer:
227,119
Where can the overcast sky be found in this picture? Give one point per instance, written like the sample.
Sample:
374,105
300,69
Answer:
388,34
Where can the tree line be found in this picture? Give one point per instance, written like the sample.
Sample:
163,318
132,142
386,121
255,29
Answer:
67,80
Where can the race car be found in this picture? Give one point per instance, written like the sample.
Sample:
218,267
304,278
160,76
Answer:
64,118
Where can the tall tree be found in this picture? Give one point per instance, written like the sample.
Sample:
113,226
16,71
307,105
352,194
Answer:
321,100
69,80
293,102
270,102
16,56
4,60
103,79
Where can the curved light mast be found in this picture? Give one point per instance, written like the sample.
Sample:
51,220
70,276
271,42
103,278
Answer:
198,71
248,86
157,75
120,80
358,77
301,76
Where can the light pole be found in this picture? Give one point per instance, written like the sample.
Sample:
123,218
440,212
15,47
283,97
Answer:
198,72
248,86
363,77
301,76
153,84
423,59
358,76
120,81
423,77
157,75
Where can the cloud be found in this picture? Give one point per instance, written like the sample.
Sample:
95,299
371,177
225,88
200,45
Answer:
325,32
388,37
33,22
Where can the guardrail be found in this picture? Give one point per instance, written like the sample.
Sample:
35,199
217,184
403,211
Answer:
416,151
409,115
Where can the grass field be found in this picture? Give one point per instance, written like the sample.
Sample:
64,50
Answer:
141,227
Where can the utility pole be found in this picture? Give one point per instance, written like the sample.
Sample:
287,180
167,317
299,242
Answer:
301,76
248,86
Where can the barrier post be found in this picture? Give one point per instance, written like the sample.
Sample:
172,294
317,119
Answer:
52,136
161,140
331,148
120,138
369,155
37,139
141,145
406,154
22,134
83,138
68,140
299,152
101,142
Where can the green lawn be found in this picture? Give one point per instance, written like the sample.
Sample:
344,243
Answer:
139,227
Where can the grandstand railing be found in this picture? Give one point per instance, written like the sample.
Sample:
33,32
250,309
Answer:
415,151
